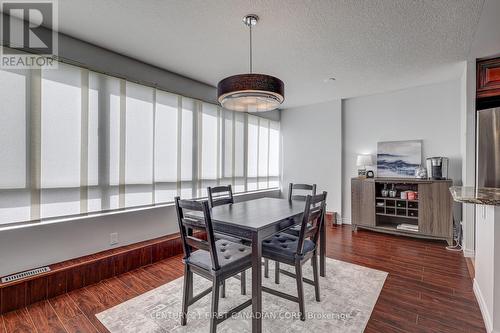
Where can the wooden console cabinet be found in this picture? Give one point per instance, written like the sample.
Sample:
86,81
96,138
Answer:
432,211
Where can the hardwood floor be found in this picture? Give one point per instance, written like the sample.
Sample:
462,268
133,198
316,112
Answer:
428,289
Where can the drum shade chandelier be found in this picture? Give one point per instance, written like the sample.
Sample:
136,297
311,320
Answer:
251,92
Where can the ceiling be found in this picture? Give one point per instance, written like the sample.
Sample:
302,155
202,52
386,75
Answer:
369,46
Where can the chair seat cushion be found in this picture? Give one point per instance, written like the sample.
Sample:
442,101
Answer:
295,230
230,254
283,247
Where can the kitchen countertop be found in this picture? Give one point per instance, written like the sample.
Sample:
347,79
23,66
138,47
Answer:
473,195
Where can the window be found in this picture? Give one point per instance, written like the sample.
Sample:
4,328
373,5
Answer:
209,148
240,152
167,117
138,145
75,141
15,194
187,148
274,154
103,143
60,147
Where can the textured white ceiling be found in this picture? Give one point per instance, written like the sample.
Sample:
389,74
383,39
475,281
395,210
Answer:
369,46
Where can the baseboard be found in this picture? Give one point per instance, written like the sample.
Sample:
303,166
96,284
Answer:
469,253
482,306
331,218
345,220
470,267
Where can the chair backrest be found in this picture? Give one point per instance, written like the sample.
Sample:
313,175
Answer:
304,187
189,224
314,214
223,195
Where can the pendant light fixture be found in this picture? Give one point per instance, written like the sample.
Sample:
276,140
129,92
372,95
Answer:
251,92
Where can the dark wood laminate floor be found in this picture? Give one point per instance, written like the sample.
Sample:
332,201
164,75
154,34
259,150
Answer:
428,289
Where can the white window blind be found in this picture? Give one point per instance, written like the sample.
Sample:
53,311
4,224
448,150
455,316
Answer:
103,143
209,148
139,136
187,148
15,198
75,141
274,154
167,118
61,115
253,153
240,151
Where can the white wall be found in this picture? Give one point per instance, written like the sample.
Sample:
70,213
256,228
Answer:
468,147
430,113
39,245
487,264
486,44
312,145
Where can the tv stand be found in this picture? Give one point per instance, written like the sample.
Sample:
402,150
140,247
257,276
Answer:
431,212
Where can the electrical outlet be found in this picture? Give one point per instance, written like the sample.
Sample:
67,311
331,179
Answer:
113,238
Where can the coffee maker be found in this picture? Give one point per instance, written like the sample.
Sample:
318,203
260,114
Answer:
437,167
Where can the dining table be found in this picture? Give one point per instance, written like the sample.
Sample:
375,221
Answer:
256,220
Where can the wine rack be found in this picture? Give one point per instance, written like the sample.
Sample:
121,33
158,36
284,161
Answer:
396,207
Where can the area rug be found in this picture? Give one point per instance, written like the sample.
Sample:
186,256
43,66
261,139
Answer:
348,294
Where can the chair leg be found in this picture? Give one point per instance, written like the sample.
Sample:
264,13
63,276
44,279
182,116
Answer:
266,268
223,290
243,279
300,290
276,272
188,280
314,261
215,305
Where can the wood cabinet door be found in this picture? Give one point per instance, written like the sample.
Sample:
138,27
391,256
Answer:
434,209
363,202
488,78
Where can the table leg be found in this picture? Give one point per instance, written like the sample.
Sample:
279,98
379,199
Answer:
256,283
322,249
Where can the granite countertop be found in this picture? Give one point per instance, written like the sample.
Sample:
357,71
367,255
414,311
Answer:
473,195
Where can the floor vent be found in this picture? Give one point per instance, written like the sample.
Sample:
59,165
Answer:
19,276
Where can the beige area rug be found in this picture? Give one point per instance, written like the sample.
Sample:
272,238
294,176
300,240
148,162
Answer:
348,294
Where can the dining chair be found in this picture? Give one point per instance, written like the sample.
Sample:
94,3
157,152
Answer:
214,260
295,251
218,196
298,197
295,229
303,187
224,199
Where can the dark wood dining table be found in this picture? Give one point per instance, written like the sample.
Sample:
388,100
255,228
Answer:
256,220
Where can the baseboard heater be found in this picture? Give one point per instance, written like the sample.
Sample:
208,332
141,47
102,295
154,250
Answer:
23,275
